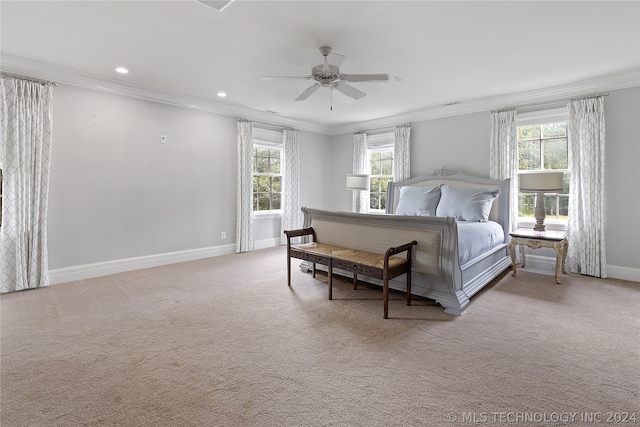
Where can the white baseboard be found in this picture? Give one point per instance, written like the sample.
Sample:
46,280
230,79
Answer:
87,271
536,263
267,243
547,265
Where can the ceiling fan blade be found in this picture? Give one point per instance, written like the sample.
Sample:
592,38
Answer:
349,90
375,78
307,93
286,77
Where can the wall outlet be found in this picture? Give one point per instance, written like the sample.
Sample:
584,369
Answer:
163,139
223,235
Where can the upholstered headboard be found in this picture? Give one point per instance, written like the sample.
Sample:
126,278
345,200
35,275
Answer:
499,210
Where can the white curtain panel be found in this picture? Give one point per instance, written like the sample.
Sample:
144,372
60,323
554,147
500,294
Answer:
291,214
401,153
586,253
360,166
26,125
244,219
503,148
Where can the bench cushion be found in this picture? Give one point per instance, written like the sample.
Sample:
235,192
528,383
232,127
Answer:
360,257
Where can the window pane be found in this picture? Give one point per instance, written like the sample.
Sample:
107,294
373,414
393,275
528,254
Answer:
529,155
551,130
555,154
276,184
383,201
528,132
262,164
374,155
525,204
264,184
388,154
374,201
255,201
384,183
262,152
387,167
275,201
375,184
275,165
375,168
264,202
255,184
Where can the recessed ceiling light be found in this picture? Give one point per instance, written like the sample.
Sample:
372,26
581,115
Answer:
122,70
222,94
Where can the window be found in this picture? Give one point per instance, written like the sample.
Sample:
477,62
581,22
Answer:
381,167
267,178
544,146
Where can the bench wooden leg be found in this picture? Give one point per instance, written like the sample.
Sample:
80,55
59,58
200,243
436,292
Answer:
355,281
409,287
330,278
385,294
288,270
313,271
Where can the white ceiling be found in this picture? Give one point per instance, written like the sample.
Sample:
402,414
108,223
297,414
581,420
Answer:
474,52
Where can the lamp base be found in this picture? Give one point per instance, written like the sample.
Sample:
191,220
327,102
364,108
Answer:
539,213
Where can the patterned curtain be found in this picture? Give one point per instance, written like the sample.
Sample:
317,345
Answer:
586,253
291,214
360,166
503,162
244,219
401,153
26,126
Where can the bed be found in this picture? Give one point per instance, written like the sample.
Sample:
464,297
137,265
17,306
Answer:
461,223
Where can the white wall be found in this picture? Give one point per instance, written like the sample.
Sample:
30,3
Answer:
117,193
462,143
622,178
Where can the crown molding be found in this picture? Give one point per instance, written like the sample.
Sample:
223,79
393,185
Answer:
547,96
21,66
16,65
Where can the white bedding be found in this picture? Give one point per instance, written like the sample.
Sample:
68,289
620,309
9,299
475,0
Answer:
474,238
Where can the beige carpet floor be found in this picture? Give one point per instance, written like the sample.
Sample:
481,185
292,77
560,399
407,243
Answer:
224,342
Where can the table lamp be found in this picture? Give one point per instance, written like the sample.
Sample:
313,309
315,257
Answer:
540,183
357,183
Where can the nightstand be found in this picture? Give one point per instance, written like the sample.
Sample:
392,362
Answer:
539,239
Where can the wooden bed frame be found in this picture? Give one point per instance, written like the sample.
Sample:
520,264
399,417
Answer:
438,274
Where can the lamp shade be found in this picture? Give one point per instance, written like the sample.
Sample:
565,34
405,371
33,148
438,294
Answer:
541,182
358,182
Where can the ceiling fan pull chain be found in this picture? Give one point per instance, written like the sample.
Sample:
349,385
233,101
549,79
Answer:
331,96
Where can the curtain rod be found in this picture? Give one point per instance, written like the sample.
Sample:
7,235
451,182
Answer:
29,79
268,126
539,104
382,130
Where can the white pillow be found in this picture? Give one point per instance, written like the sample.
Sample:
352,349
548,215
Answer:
418,201
466,203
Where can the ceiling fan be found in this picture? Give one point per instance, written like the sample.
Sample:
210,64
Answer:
327,75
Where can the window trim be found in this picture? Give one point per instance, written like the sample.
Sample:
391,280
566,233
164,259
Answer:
260,143
379,148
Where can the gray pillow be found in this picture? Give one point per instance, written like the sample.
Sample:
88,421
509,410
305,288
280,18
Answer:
420,201
466,203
